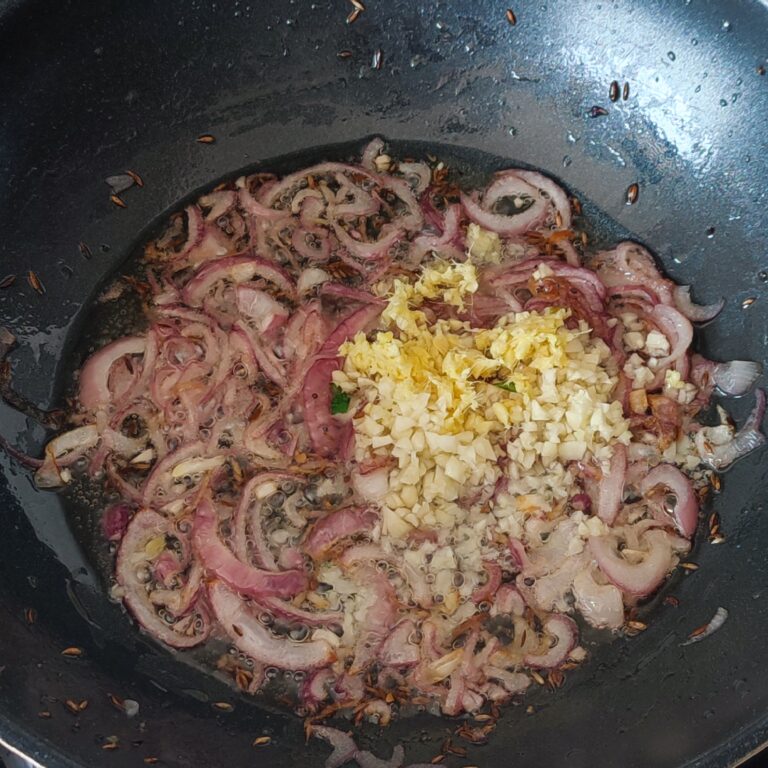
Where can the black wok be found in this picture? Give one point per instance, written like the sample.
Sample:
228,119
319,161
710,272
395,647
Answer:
89,89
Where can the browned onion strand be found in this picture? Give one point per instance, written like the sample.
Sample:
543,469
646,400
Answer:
240,486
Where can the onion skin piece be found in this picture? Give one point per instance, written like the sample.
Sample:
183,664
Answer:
219,560
686,511
253,639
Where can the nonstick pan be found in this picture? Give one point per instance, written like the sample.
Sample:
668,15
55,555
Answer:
91,89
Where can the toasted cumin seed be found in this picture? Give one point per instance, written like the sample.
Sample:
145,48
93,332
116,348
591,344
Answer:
35,282
137,180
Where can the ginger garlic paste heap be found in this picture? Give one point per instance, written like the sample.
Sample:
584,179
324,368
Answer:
397,438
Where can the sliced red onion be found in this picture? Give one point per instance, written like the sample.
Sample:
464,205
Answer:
506,225
508,600
581,502
236,269
371,486
254,639
221,561
115,520
412,219
380,616
398,650
633,292
418,175
274,193
63,451
565,634
372,150
94,377
362,553
486,592
639,579
685,511
630,262
342,291
746,440
132,561
368,250
611,489
158,486
317,250
310,278
337,525
352,201
310,204
696,313
287,611
256,209
249,515
600,604
265,313
314,691
737,377
219,203
678,330
554,192
28,461
354,323
325,431
450,230
519,555
259,352
195,231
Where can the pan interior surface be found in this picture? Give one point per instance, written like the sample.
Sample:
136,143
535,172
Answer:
89,90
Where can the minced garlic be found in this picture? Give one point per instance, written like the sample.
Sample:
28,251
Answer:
449,401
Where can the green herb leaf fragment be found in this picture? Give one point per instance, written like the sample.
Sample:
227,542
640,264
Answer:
339,400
